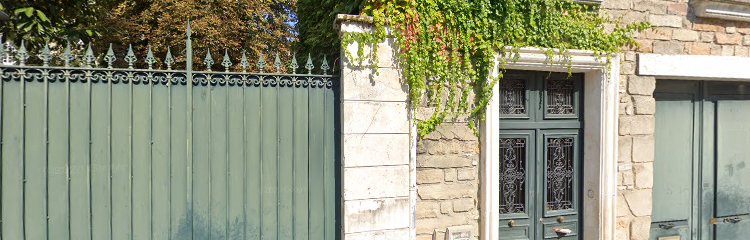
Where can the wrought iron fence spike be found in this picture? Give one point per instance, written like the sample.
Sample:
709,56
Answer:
277,63
45,55
309,65
110,56
2,50
227,63
169,59
89,57
208,60
187,29
67,56
261,63
22,55
293,65
150,59
325,66
243,62
130,57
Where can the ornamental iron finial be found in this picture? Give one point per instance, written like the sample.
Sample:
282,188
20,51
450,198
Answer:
45,55
169,59
324,66
261,63
277,63
208,61
243,62
89,57
309,65
150,59
22,55
130,57
226,62
67,56
110,57
7,58
2,49
293,65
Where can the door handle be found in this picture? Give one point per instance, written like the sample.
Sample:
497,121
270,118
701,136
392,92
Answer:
733,220
666,226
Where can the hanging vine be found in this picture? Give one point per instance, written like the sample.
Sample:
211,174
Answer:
448,47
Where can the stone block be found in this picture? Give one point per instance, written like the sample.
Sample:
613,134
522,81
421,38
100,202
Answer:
636,124
622,206
728,39
710,25
644,175
375,149
375,117
639,201
463,204
727,50
452,130
467,174
707,36
645,45
640,228
382,234
657,33
685,35
429,175
644,105
679,8
446,191
428,209
622,229
444,161
617,4
625,148
643,148
627,178
746,40
376,182
641,85
387,54
665,20
700,48
451,175
669,47
741,51
651,6
376,214
364,84
446,207
731,29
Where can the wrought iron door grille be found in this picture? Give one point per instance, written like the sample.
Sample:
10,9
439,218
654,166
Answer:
513,96
560,95
513,174
560,173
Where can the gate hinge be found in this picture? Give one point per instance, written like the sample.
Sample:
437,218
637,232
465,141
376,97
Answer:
713,221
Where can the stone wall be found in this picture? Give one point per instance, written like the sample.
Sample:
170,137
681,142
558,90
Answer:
447,181
676,30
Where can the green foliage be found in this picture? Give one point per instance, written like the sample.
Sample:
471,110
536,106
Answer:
448,47
315,26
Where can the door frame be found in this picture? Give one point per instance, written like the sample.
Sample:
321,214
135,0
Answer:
600,113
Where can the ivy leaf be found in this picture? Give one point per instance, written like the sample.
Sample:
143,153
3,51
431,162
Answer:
42,16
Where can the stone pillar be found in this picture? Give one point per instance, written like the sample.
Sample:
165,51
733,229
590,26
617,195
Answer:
377,143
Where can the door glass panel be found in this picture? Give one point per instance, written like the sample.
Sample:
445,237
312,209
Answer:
560,96
513,97
559,173
512,175
732,161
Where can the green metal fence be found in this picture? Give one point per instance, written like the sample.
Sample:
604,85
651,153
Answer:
126,153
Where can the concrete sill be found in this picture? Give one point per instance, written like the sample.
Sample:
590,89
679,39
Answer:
738,10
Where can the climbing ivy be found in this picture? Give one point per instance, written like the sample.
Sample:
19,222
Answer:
448,47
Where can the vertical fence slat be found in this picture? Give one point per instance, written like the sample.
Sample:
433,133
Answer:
141,161
180,221
269,161
286,168
300,163
316,169
201,126
80,227
12,172
160,162
121,145
100,162
252,105
329,161
57,178
36,162
236,211
218,195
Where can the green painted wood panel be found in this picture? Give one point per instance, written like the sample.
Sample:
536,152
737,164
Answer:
201,162
121,161
80,215
35,147
57,159
253,156
732,168
180,204
13,161
286,166
218,164
100,161
160,162
236,164
269,164
330,138
316,169
301,203
141,167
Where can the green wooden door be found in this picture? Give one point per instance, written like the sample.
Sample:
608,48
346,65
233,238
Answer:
540,146
701,176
